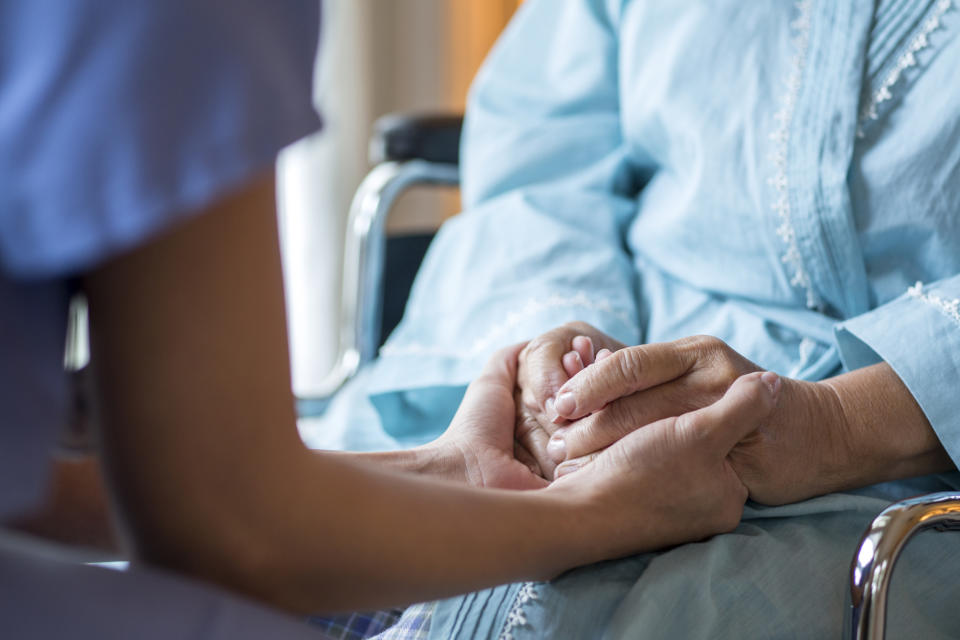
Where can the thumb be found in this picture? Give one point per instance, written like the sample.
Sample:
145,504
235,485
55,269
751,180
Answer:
726,422
499,376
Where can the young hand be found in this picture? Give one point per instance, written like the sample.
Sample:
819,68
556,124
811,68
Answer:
480,439
672,481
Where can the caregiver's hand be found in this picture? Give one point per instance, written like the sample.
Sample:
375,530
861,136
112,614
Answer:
845,432
672,481
635,386
479,446
545,364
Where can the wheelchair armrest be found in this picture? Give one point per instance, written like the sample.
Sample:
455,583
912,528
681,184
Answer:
432,138
877,553
406,151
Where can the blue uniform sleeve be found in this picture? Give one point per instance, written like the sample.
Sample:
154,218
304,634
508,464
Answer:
548,193
918,335
118,116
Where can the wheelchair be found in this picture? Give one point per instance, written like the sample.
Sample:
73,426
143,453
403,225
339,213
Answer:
410,150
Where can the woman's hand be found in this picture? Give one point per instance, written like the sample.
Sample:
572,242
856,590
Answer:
672,481
635,386
846,432
545,364
479,444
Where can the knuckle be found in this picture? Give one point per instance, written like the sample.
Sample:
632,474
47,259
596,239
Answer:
620,418
526,427
691,427
631,362
711,345
579,326
725,373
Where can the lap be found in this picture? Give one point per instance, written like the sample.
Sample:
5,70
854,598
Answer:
782,574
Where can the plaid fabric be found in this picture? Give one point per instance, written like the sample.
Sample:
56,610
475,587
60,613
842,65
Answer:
393,624
356,626
414,624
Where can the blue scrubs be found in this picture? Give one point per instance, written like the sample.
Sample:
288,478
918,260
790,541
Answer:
117,118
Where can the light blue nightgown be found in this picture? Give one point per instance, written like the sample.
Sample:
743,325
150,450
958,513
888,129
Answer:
783,175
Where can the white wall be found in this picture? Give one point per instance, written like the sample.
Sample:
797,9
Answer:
377,56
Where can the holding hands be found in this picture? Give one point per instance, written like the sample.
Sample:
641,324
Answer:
669,482
802,447
660,444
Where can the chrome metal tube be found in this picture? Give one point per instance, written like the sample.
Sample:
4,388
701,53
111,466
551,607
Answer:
877,553
364,249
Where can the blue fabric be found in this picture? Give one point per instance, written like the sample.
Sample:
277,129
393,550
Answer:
778,177
114,115
609,179
45,598
117,118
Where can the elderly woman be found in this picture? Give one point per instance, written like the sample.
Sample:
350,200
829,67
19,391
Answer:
785,179
141,173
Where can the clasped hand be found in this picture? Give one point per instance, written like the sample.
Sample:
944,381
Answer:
579,392
669,482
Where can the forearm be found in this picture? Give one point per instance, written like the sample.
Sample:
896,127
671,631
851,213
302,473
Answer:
349,535
887,434
426,460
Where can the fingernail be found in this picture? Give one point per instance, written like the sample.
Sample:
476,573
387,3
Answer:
565,469
603,353
772,381
566,404
572,359
584,340
549,408
557,448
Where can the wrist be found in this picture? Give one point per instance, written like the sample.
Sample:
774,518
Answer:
436,459
808,446
885,428
585,532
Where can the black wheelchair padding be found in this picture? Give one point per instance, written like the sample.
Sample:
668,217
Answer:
433,138
403,257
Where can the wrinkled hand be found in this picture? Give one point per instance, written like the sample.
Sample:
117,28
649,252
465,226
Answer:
672,481
802,449
636,386
480,439
545,364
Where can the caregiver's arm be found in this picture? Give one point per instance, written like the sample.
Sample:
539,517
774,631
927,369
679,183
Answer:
849,431
205,463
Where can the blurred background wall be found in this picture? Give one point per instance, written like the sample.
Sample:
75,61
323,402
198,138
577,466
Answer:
376,57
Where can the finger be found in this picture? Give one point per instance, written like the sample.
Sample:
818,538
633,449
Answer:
620,374
502,365
602,354
620,417
494,385
526,458
541,370
584,346
572,363
533,437
747,402
573,465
